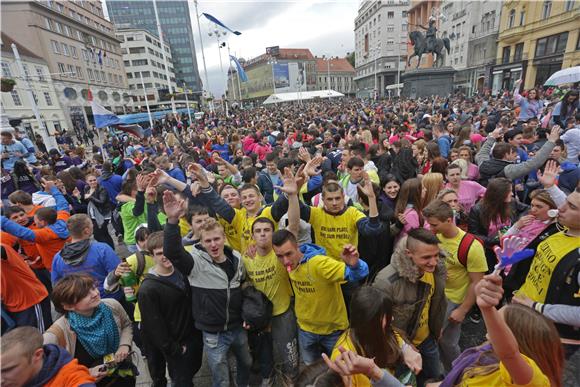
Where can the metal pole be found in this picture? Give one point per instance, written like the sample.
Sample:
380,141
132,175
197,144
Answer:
399,71
376,55
164,57
146,101
187,102
202,55
230,72
224,100
33,104
239,87
328,71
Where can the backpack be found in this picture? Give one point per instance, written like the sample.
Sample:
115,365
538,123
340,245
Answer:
140,264
256,309
464,246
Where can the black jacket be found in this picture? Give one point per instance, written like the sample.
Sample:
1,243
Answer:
216,300
100,198
476,227
491,168
166,318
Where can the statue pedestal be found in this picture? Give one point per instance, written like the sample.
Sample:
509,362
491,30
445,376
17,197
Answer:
427,82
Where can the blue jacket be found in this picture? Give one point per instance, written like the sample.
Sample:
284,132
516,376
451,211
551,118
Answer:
31,158
351,274
444,143
97,259
112,184
11,150
177,173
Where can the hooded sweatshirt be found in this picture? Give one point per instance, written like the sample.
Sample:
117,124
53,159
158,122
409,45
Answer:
112,184
60,369
94,258
319,304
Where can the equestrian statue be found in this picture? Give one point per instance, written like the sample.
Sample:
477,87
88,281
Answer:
429,43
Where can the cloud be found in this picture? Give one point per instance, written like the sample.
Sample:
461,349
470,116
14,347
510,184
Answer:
326,28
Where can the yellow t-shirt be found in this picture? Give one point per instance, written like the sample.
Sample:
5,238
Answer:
271,278
423,328
501,378
457,282
548,255
334,231
233,239
184,227
242,225
358,380
319,305
149,263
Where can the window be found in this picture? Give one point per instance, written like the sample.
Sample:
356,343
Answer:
518,52
550,45
6,70
390,28
80,72
97,76
146,74
40,73
65,51
26,72
103,76
71,70
62,70
110,78
404,14
55,46
569,5
16,97
390,15
73,51
511,18
140,62
48,23
137,50
58,27
546,9
47,98
67,31
522,18
505,56
60,7
126,63
90,74
35,97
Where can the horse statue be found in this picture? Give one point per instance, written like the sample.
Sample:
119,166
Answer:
420,47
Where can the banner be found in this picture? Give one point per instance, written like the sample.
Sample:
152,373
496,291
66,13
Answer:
219,23
240,69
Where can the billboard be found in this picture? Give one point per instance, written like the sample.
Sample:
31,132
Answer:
290,77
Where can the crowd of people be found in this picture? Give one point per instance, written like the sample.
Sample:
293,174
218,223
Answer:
327,243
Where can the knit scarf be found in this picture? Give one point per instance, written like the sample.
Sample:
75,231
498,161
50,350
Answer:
98,333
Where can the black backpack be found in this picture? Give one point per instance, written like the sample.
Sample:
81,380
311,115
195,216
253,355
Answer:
256,309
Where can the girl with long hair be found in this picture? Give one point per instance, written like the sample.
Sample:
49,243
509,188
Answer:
431,183
565,109
419,149
371,334
530,106
410,206
466,154
24,179
523,349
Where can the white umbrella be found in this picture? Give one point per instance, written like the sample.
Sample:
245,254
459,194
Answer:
569,75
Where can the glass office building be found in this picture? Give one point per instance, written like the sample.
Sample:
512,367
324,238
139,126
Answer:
176,27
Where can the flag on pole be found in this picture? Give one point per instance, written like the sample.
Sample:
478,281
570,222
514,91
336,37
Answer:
100,56
104,117
240,69
219,23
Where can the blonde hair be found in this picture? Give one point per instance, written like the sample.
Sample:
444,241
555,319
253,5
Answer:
464,167
433,183
210,224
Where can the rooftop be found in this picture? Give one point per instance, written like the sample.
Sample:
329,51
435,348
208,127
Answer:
336,65
23,51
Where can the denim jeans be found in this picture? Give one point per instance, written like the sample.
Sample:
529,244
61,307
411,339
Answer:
313,345
431,362
132,248
449,342
217,346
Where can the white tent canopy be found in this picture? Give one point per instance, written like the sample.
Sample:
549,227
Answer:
305,95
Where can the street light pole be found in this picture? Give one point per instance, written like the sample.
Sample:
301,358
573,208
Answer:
187,102
230,72
272,61
202,55
224,100
160,33
146,101
41,126
328,71
376,56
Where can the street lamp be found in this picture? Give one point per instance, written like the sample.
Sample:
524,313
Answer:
272,61
220,34
377,51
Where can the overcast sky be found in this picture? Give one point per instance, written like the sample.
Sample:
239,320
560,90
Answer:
325,27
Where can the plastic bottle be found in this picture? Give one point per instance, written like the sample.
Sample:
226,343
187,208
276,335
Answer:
129,279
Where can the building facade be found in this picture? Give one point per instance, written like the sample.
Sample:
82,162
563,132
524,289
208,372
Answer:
335,74
17,104
177,32
472,28
143,60
381,34
418,15
81,50
536,39
280,70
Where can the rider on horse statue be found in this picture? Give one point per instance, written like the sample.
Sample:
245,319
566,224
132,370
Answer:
431,34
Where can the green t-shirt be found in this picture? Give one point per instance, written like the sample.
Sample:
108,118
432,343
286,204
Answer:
131,222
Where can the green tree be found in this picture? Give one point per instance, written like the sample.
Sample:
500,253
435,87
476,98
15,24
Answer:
350,58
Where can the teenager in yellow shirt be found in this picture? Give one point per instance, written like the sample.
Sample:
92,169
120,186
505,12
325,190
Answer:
461,276
523,348
316,278
371,334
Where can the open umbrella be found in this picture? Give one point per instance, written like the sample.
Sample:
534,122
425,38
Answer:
569,75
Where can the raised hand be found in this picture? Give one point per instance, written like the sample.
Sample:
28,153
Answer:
174,208
199,173
367,186
489,291
289,180
548,178
150,194
143,182
554,133
350,255
304,155
311,168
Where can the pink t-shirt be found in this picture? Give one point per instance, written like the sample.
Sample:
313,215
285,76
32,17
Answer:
473,172
412,218
469,193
